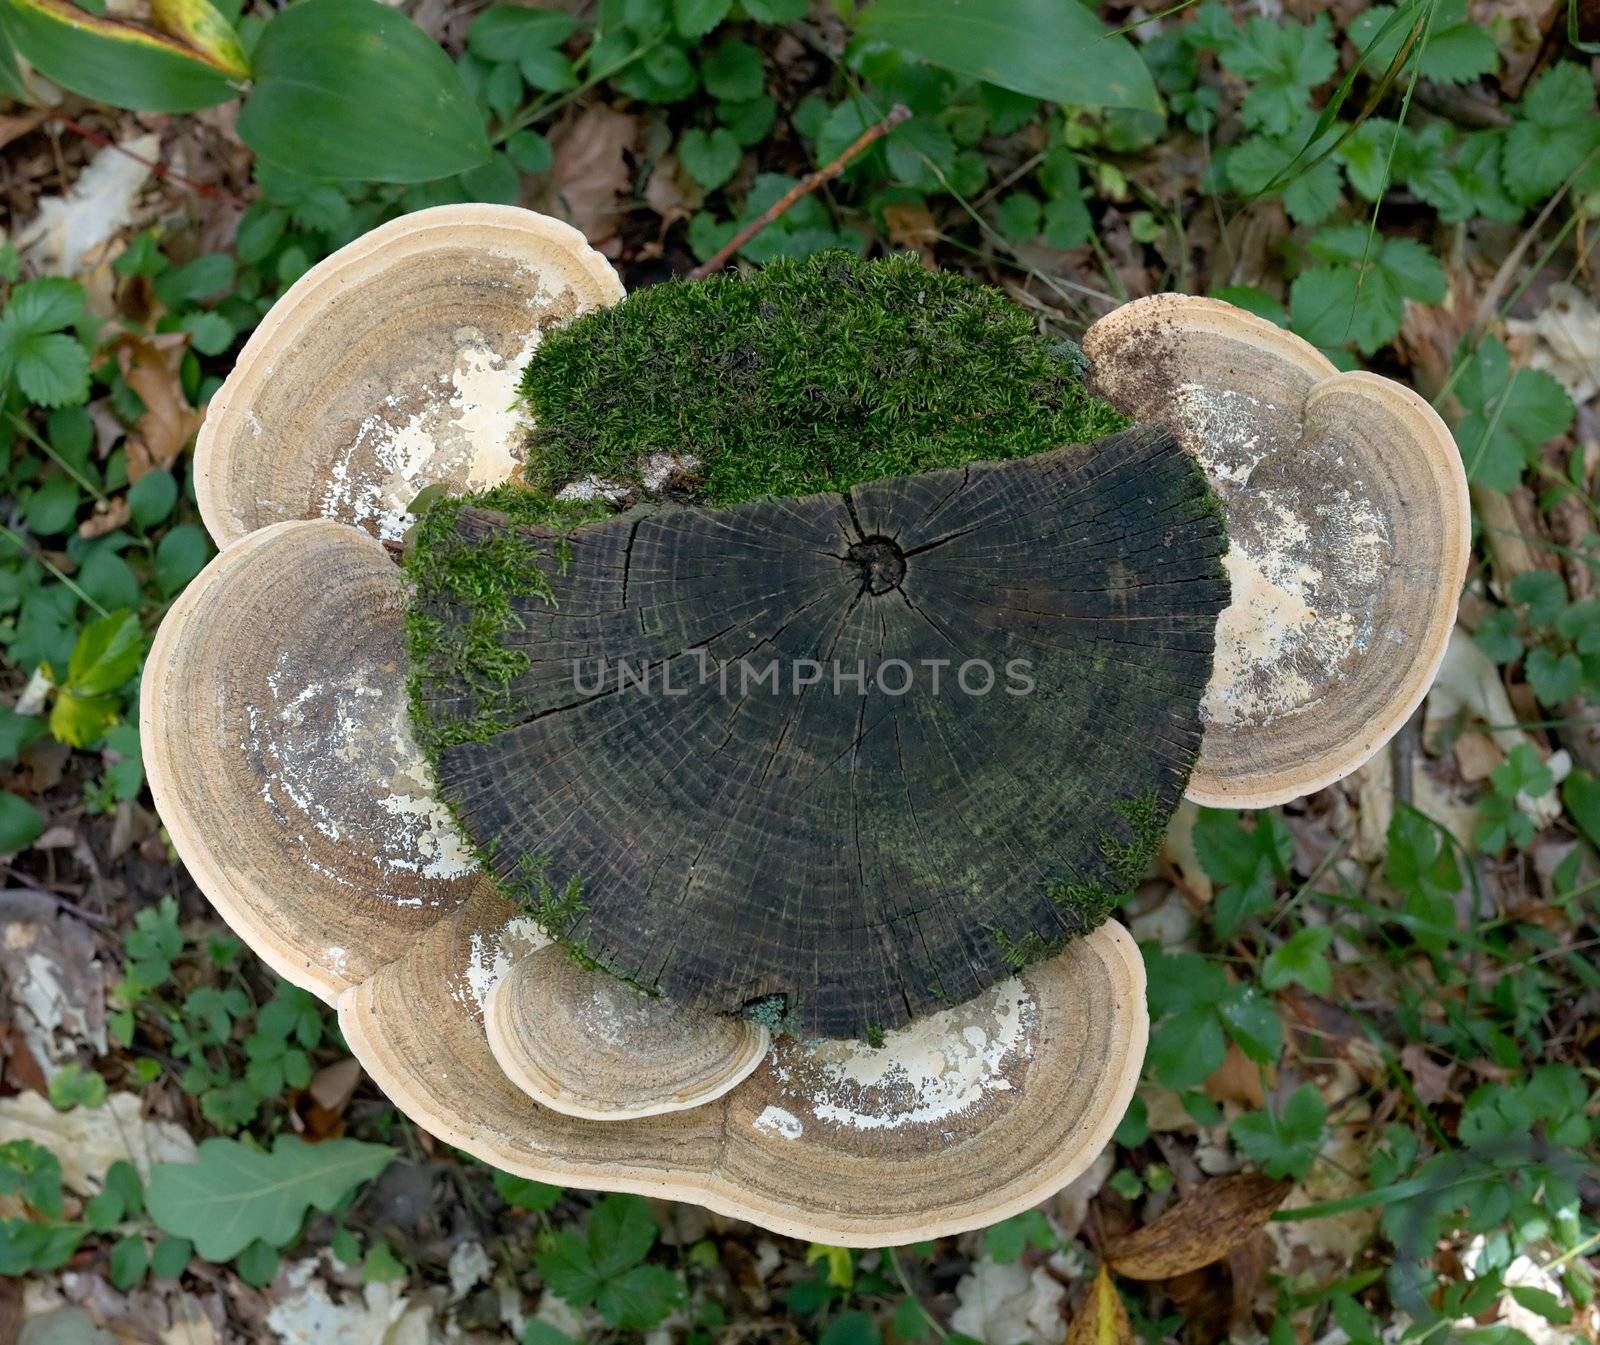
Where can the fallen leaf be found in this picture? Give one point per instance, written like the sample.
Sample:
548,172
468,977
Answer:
1236,1079
150,366
98,207
333,1084
108,516
1204,1226
88,1140
589,176
1102,1320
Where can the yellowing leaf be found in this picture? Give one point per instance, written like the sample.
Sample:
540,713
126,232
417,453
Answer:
1102,1320
197,23
841,1268
115,62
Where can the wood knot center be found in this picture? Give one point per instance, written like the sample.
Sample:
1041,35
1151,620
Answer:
880,561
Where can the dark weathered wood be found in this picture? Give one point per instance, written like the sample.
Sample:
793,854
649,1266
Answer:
867,857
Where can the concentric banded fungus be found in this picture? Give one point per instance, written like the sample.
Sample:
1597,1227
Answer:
392,366
651,733
280,754
1347,509
972,1115
585,1043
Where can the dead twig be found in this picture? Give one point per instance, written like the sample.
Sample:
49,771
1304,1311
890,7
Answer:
723,255
159,169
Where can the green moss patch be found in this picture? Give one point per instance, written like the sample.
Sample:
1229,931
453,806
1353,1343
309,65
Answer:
811,375
460,607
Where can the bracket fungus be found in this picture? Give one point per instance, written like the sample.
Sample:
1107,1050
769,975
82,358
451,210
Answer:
833,957
588,1044
1349,524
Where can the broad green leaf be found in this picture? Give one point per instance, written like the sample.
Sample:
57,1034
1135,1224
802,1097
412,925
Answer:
352,89
181,555
509,32
1301,959
20,824
80,720
696,18
1281,61
1052,49
1580,791
709,157
115,62
234,1194
733,72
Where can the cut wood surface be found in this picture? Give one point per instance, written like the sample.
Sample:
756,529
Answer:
849,855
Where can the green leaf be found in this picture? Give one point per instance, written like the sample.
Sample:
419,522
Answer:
1186,1048
1286,1142
509,32
20,824
109,580
1282,62
46,305
113,62
234,1194
381,1265
170,1258
777,11
567,1269
1456,50
734,72
709,157
1043,48
621,1232
640,1298
80,720
530,152
696,18
352,89
1555,130
1554,677
1252,1021
181,555
1301,959
128,1262
1019,216
548,71
1580,791
542,1333
851,1328
524,1194
53,508
17,731
208,274
151,498
750,119
106,655
257,1264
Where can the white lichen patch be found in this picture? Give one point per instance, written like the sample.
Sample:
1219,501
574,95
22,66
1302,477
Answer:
343,776
931,1073
490,956
1306,559
776,1121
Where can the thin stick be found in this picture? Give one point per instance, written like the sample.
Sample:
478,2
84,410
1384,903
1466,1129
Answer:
159,169
897,114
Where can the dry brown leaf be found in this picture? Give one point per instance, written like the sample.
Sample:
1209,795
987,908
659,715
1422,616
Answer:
1236,1079
1204,1226
150,366
1102,1320
108,516
590,176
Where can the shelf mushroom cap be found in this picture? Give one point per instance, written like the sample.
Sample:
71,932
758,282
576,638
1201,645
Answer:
584,1043
390,366
677,779
971,1115
1349,525
278,744
282,766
